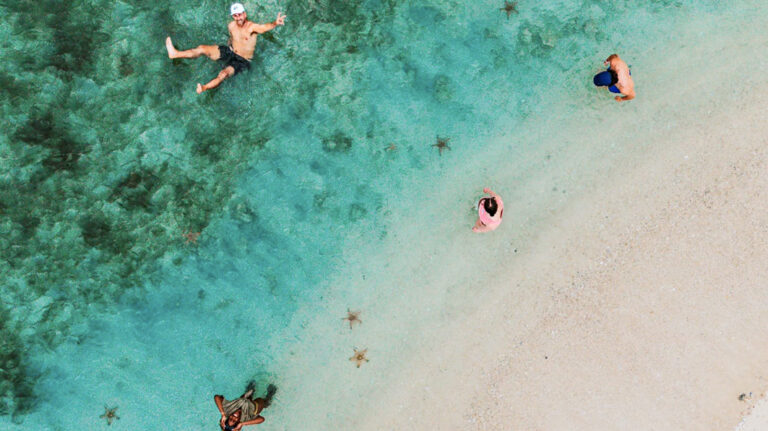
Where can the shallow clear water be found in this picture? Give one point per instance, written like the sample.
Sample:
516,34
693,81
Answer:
109,156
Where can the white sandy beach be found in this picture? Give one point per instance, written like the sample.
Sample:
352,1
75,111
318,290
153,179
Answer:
649,311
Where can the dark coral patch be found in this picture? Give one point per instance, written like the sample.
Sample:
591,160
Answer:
338,143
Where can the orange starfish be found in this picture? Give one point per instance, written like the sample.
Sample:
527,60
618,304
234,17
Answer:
359,357
191,237
109,414
353,317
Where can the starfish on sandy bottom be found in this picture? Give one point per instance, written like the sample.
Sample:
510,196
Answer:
191,237
353,317
109,414
359,357
391,147
509,7
442,143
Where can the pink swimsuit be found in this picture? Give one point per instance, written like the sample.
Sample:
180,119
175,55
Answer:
491,221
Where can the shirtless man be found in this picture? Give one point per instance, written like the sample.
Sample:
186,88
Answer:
239,52
617,78
243,411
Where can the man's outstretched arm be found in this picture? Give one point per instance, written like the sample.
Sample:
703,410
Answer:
255,421
263,28
219,403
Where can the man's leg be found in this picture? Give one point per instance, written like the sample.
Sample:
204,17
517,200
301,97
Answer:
260,404
210,51
224,74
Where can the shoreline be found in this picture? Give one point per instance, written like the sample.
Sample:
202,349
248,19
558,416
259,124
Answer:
573,333
648,314
623,290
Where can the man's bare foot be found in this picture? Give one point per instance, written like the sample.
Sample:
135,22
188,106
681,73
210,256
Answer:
169,46
199,88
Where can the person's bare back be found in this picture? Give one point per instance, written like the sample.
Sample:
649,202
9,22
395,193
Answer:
625,84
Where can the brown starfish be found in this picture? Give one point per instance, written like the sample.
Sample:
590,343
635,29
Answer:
191,237
353,317
359,357
509,7
442,143
391,147
109,414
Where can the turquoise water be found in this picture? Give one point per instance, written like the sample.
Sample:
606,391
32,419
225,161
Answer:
109,156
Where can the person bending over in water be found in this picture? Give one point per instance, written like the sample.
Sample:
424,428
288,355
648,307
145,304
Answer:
237,55
617,78
489,212
243,411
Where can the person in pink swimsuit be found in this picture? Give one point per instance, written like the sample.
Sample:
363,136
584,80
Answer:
489,212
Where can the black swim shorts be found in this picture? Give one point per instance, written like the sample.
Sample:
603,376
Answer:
231,59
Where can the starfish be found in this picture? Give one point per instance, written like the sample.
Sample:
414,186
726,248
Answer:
353,317
442,143
391,147
191,237
109,414
359,357
509,7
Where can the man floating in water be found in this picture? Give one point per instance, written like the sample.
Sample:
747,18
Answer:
243,411
237,54
617,78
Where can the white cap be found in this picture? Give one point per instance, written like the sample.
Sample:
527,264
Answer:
236,8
